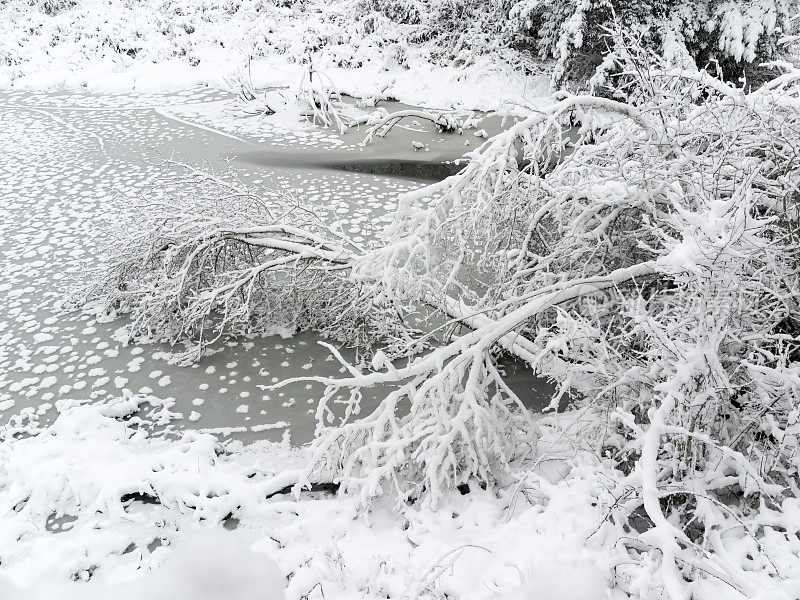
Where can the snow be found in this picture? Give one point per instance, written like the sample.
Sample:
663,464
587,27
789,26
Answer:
180,46
91,458
481,546
208,564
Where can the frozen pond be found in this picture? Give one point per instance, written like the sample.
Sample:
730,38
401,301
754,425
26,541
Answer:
69,162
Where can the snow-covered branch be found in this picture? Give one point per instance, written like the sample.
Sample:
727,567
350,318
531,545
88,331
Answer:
381,122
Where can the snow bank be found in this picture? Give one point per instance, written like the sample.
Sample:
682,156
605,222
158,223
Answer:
151,46
66,533
94,508
95,489
206,565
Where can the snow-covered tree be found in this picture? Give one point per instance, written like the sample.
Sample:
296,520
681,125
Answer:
650,267
714,34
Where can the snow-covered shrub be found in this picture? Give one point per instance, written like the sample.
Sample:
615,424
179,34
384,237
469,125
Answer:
453,31
653,270
407,12
653,273
52,7
320,99
731,35
249,101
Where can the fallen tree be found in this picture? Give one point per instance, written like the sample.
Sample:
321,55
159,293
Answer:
652,272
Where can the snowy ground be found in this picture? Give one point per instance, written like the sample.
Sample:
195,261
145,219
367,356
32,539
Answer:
156,46
473,546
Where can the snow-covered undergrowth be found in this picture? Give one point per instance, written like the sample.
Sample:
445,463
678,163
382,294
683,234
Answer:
151,45
144,519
